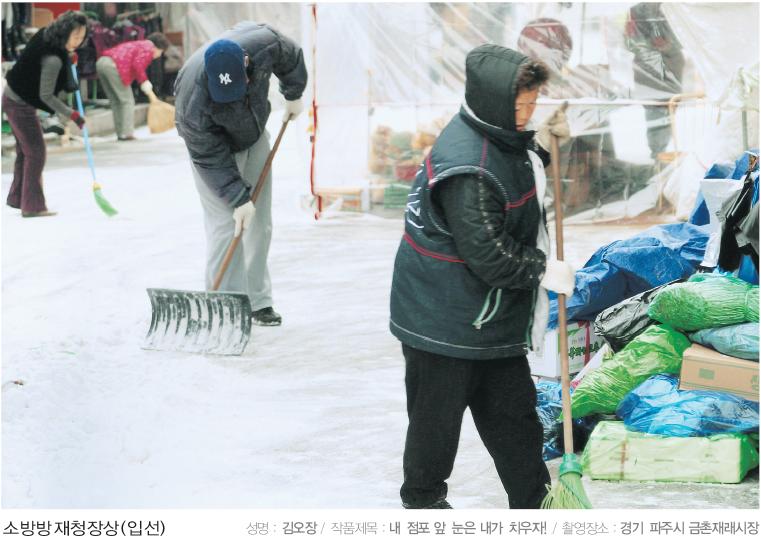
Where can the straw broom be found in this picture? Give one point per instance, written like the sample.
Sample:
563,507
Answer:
160,116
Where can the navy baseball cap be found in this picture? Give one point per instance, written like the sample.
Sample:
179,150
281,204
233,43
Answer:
225,71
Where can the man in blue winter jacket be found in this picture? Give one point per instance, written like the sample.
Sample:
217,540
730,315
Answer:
221,113
468,295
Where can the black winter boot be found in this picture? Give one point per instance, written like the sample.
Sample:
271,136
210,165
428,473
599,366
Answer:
438,504
266,317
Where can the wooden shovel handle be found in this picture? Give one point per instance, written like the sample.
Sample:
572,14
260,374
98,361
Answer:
259,187
562,328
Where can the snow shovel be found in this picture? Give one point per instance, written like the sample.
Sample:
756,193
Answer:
214,322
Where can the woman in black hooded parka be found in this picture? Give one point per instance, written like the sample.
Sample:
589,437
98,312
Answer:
468,296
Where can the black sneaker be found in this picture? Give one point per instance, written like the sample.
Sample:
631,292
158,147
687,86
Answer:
266,317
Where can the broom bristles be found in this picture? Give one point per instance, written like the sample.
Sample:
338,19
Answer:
103,203
568,493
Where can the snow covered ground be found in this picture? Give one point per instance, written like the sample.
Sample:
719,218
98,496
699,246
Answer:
311,416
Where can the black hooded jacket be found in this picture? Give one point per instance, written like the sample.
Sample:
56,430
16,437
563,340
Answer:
467,269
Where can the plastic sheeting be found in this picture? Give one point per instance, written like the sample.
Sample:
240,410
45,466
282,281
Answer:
387,77
658,407
627,267
720,182
549,406
623,322
705,212
739,341
729,72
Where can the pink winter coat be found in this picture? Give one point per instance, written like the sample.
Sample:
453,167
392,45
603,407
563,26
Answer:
132,59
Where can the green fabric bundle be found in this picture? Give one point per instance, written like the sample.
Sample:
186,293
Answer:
705,301
657,350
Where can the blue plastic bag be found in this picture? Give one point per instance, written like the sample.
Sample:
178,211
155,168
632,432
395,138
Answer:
657,406
739,341
549,405
627,267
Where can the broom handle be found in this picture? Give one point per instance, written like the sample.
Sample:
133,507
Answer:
562,328
259,187
85,133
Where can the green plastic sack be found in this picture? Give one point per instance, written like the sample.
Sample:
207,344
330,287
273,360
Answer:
657,350
614,453
706,301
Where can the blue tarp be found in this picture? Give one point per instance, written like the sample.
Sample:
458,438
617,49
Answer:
627,267
549,405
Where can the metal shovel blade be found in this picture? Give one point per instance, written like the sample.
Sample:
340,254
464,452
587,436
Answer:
198,321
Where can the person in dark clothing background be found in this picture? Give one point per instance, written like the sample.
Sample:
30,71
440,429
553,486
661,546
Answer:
658,67
468,294
42,71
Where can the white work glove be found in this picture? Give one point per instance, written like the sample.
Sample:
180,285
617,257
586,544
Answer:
559,277
147,88
242,216
293,109
556,124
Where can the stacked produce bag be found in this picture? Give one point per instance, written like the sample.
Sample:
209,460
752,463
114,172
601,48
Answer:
684,382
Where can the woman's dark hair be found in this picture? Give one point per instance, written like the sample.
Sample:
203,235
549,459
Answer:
531,75
57,33
159,40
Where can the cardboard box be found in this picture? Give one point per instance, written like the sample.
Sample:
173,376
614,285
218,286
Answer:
614,453
706,369
583,343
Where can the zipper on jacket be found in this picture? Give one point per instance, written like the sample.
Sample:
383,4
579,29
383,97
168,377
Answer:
483,318
247,102
531,319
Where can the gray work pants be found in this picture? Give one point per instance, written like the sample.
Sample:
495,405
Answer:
248,271
119,95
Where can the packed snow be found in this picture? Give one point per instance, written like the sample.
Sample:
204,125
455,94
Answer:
312,415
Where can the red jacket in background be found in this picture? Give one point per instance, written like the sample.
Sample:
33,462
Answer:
132,59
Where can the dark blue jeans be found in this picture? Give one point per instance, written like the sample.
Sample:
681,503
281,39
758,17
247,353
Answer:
502,399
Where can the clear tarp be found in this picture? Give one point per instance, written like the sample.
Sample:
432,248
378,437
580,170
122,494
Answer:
656,92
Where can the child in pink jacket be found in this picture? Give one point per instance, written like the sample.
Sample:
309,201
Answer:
118,67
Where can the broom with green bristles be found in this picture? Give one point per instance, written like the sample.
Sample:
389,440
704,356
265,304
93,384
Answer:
100,199
568,492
